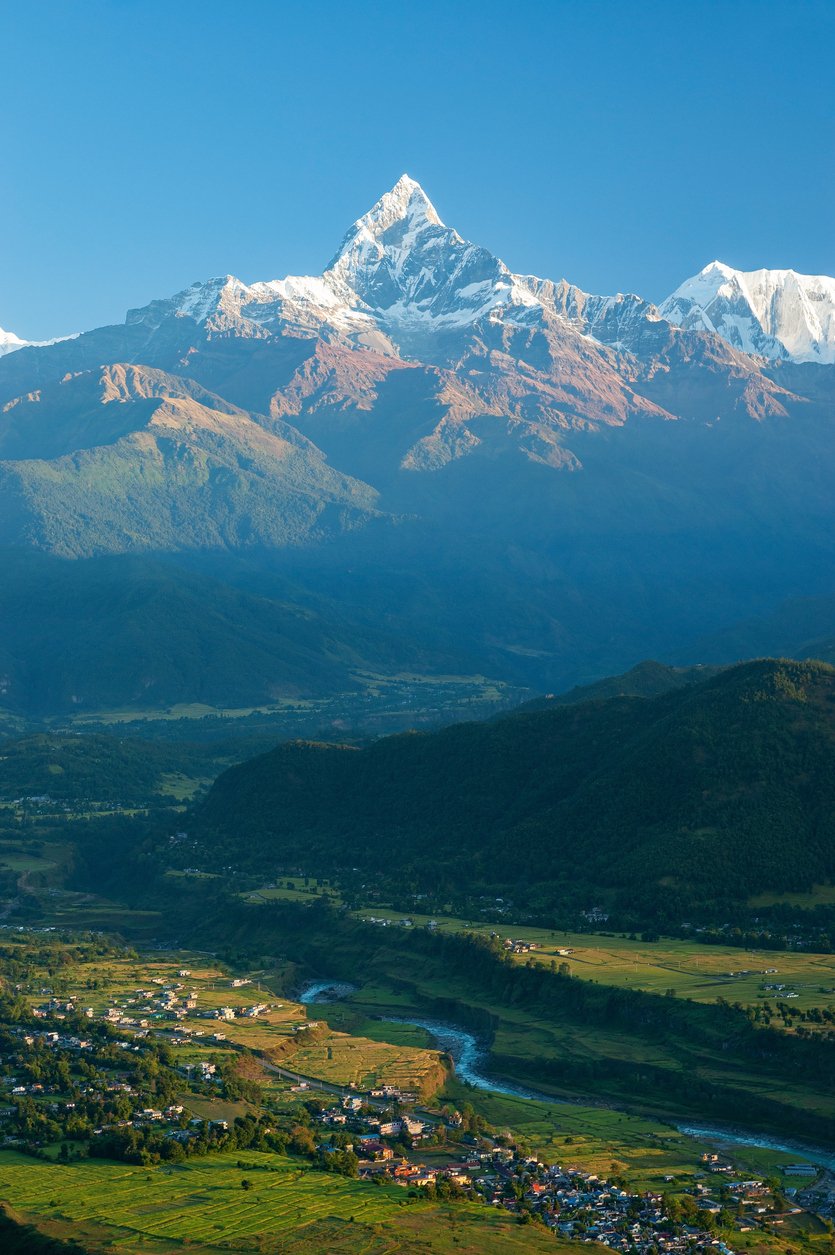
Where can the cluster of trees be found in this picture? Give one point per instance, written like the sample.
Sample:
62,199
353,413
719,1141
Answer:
150,1145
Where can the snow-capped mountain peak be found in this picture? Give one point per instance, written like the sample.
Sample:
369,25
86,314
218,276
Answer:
9,342
406,202
399,272
400,221
773,313
399,252
401,280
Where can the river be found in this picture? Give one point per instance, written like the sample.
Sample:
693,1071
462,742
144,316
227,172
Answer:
469,1058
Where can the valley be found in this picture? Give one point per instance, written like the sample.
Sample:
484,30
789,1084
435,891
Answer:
417,701
217,1073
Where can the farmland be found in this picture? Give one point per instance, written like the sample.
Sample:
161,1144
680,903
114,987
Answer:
203,1206
280,1030
703,973
289,1203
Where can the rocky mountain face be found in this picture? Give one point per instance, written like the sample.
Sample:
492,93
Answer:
554,483
773,313
129,458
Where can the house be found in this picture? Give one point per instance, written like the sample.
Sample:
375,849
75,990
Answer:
376,1150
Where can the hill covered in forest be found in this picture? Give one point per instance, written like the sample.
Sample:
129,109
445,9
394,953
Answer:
708,793
646,679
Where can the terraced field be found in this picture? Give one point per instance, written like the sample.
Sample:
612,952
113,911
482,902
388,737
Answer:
348,1060
202,1205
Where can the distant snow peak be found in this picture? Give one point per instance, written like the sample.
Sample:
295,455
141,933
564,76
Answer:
10,343
773,313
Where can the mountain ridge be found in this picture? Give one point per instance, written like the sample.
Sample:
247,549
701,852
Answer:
420,427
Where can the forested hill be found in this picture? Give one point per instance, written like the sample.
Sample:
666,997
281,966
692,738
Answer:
706,793
647,679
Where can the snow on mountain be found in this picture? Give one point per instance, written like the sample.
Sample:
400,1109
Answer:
615,321
10,343
403,262
402,281
773,313
398,270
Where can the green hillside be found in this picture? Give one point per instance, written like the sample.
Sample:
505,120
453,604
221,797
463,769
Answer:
708,792
130,458
78,769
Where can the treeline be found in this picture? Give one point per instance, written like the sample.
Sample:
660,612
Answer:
150,1146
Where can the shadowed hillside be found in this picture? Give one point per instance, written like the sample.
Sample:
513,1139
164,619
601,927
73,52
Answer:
711,791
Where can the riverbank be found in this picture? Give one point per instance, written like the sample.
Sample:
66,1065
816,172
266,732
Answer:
470,1059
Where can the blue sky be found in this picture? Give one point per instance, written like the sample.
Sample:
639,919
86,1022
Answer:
147,144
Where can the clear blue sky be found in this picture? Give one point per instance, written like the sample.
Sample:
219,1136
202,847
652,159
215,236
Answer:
150,143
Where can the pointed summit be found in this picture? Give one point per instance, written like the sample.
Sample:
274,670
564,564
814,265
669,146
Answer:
406,201
400,220
398,251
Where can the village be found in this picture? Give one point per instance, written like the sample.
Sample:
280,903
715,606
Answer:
568,1200
383,1134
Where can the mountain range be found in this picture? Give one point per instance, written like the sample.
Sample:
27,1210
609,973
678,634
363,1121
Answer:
503,470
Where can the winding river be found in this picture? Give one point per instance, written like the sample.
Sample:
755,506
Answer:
469,1058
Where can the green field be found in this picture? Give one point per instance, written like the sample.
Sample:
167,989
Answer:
646,1152
818,895
292,889
359,1061
201,1205
692,970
